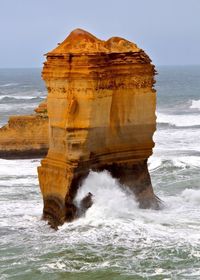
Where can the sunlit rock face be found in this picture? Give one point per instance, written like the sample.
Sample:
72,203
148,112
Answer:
25,136
101,108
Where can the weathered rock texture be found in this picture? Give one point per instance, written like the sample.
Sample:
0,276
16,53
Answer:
25,136
101,108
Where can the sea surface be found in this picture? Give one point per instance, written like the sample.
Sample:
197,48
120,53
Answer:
115,240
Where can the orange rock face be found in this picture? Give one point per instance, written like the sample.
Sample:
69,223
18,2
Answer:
101,108
25,136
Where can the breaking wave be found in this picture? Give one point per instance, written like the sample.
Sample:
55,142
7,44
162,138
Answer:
178,120
15,99
195,104
9,85
191,196
181,162
113,230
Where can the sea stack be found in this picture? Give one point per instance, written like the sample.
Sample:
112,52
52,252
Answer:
25,136
101,107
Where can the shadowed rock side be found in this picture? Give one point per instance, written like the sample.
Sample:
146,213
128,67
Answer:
101,107
25,136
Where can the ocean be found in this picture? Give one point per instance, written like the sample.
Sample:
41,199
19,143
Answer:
115,240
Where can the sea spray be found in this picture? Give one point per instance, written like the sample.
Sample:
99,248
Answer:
110,199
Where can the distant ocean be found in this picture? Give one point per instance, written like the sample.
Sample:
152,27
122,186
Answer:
115,240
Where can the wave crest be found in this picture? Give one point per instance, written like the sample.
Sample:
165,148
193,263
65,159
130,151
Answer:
9,85
191,195
177,162
195,104
13,99
178,120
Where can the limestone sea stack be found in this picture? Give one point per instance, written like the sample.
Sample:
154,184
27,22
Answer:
101,108
25,136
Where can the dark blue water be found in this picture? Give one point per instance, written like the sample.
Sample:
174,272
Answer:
116,239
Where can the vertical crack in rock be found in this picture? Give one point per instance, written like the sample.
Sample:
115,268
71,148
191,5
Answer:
101,107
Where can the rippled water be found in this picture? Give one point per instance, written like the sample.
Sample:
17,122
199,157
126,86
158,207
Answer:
116,239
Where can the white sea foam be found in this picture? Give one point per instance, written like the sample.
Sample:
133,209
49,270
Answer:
176,142
182,162
17,108
113,229
178,120
154,163
187,161
18,167
191,196
195,104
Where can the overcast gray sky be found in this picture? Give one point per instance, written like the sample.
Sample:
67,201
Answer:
168,30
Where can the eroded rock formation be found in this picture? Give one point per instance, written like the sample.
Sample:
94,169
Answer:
25,136
101,107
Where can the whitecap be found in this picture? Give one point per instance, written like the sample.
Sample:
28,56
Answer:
18,167
181,162
178,120
154,163
22,97
189,161
191,195
9,84
195,104
16,109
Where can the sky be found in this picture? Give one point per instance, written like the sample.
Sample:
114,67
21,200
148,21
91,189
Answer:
168,30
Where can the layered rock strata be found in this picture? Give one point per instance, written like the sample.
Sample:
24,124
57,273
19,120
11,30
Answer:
101,107
25,136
